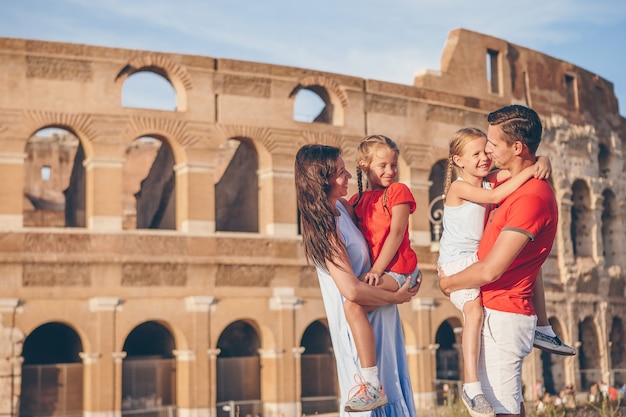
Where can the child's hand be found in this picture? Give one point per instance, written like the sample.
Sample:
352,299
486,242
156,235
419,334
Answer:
372,278
542,168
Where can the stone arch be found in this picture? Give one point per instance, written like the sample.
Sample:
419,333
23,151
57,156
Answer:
437,180
239,360
331,93
54,180
318,373
78,124
177,137
553,366
261,142
610,229
617,351
582,219
149,367
176,134
447,337
175,74
604,160
589,354
237,187
52,371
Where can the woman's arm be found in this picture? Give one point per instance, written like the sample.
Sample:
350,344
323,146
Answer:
360,292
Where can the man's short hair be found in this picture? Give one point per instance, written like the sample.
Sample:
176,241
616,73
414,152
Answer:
518,123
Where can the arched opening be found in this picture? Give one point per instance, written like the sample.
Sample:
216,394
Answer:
604,161
448,363
239,370
318,376
149,185
437,179
582,219
309,106
149,370
52,372
553,366
237,187
54,180
610,229
589,354
617,345
148,90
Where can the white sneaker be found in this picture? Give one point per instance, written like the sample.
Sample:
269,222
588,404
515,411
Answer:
552,344
367,397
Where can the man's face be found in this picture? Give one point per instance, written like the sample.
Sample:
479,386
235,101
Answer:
499,151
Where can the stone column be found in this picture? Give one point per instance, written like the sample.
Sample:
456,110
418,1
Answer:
12,192
279,376
10,357
105,376
278,212
297,357
195,208
212,400
118,359
200,380
103,193
90,371
185,377
426,371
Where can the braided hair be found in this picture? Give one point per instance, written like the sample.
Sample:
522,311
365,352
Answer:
365,154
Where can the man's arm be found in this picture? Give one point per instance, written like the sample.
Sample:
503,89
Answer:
506,248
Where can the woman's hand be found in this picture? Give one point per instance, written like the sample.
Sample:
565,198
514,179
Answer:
443,282
405,293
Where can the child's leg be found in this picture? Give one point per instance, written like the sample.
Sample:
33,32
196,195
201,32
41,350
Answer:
362,333
539,302
473,313
369,394
545,338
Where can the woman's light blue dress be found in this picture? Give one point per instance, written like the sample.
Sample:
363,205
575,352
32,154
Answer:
390,349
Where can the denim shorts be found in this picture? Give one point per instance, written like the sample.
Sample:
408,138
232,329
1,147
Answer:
401,278
507,338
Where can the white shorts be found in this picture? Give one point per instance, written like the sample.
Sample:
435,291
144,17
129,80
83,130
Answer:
460,297
507,338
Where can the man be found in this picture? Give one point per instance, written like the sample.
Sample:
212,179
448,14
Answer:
517,239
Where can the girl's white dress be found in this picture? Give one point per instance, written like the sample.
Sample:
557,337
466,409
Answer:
462,229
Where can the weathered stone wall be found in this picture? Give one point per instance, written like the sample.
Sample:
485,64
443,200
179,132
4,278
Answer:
105,279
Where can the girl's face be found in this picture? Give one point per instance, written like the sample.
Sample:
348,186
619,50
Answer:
383,169
339,184
473,160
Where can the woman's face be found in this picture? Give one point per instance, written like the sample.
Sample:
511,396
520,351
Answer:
339,183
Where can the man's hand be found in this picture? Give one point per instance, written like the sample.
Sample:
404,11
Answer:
444,282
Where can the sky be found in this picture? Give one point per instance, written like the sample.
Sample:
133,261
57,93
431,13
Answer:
388,40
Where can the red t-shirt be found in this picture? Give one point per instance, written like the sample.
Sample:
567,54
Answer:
531,210
374,222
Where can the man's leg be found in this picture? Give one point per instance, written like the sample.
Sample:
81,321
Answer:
506,339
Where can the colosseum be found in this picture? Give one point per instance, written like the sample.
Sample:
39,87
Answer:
151,258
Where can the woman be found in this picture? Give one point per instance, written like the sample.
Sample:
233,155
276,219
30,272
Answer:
336,247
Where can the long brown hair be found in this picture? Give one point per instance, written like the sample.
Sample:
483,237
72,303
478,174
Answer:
315,168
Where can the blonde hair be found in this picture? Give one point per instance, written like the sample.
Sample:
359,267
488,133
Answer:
365,154
459,139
